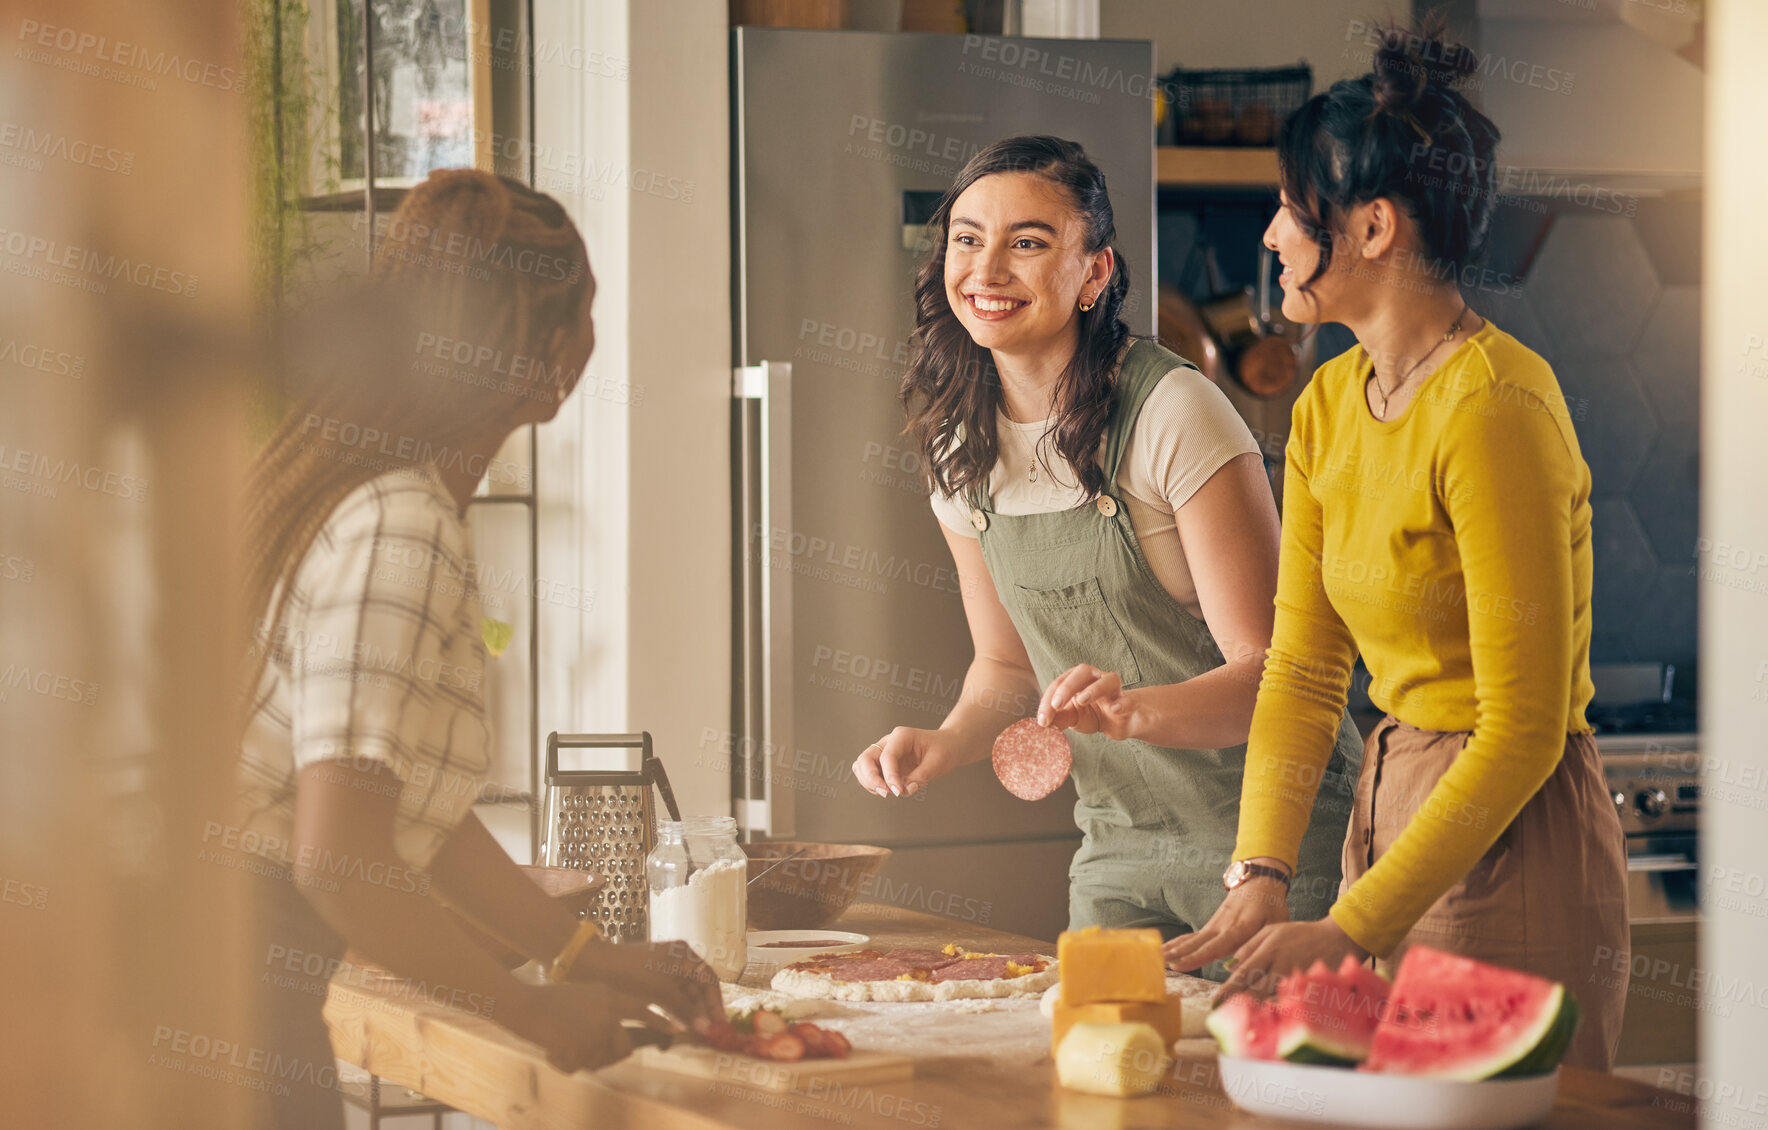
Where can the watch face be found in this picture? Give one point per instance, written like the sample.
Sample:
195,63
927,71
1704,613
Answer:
1235,875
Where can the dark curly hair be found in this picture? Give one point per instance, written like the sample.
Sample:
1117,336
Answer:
1403,132
951,391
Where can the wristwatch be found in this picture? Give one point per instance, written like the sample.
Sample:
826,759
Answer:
1241,870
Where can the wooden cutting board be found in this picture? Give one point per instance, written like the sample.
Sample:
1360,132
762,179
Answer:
727,1067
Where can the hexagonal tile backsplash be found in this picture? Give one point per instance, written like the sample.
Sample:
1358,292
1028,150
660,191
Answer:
1626,349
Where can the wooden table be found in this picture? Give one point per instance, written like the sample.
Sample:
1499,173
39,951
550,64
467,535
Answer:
475,1066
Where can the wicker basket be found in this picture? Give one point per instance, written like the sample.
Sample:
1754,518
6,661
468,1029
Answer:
1231,107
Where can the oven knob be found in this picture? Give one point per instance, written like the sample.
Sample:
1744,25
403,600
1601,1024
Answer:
1620,802
1651,803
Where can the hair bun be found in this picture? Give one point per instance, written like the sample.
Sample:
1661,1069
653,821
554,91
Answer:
1409,62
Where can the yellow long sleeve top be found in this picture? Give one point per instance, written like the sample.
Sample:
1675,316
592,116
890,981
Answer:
1451,547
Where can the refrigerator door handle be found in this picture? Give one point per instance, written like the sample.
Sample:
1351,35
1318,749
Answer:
761,755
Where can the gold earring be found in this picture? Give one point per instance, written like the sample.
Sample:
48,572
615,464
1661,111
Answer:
1088,304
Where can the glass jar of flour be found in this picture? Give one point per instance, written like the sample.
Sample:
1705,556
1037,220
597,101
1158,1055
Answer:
699,875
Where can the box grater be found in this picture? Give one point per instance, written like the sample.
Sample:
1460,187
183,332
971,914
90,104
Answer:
603,822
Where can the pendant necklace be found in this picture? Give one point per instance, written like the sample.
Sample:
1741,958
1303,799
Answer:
1448,335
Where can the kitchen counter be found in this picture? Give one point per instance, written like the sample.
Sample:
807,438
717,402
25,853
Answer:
998,1078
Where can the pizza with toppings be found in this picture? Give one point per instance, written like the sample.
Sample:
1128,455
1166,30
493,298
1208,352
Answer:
952,973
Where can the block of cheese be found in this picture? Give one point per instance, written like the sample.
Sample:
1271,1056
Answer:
1111,965
1166,1017
1112,1059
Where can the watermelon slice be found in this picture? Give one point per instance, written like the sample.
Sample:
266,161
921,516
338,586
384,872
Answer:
1319,1016
1455,1018
1245,1027
1330,1017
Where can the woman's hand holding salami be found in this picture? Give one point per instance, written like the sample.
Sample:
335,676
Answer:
1089,701
905,759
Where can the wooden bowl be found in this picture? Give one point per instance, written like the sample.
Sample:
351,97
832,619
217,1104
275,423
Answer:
811,891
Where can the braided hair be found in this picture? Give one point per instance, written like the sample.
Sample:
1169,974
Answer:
1402,132
475,278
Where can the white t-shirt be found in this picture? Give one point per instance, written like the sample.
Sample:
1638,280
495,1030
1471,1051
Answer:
1186,431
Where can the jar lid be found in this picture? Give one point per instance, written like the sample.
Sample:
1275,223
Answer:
697,826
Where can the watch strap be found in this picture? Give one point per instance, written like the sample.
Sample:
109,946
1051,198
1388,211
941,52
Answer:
1248,870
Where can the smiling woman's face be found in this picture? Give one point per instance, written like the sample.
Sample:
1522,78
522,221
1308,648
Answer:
1017,265
1298,253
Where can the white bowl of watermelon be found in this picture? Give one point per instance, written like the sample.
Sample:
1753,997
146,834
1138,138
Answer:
1451,1044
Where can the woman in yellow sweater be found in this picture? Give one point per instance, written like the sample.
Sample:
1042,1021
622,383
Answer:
1436,520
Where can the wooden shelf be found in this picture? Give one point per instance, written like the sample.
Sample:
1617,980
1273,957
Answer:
1199,167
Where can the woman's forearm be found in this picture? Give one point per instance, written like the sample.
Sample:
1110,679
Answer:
351,873
414,936
995,696
1209,711
481,881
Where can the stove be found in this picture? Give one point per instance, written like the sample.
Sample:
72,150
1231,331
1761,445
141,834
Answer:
1651,760
1654,781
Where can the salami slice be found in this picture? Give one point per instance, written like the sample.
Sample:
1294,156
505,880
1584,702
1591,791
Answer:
1031,760
922,959
972,969
864,969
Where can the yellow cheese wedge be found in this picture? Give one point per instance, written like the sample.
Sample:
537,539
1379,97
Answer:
1111,1059
1167,1017
1111,965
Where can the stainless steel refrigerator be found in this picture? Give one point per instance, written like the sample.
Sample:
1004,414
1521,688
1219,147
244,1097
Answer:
849,619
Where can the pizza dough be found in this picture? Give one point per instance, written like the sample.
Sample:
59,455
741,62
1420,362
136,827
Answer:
1031,760
892,977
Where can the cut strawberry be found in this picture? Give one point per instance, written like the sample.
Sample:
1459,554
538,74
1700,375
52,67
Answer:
769,1023
815,1039
722,1034
786,1048
753,1045
838,1045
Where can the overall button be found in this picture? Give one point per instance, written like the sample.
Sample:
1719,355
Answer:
979,520
1107,505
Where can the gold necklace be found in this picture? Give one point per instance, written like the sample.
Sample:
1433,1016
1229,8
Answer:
1448,335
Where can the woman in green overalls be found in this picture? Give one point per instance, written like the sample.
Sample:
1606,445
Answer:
1113,528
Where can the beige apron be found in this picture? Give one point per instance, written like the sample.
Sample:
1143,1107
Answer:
1549,897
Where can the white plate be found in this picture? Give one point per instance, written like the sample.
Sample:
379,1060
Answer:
1306,1093
823,943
